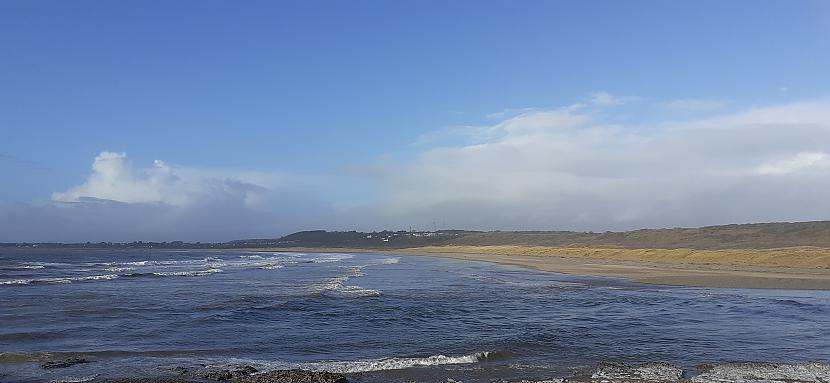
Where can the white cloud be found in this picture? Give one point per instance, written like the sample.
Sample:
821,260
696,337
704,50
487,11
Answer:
796,163
508,113
115,178
570,168
120,201
606,99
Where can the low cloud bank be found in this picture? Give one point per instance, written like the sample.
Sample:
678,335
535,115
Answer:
120,201
587,166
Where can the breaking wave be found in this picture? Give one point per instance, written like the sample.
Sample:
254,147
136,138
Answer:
36,281
328,258
358,366
336,286
169,263
270,266
107,277
189,273
400,363
149,268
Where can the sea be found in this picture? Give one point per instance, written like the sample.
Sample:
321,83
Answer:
374,317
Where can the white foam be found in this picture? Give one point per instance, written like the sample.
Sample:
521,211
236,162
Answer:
139,263
358,291
328,258
260,262
192,273
75,379
58,280
270,266
347,367
397,363
336,285
96,277
390,261
167,263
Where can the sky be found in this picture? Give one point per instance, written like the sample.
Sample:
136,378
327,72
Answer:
215,120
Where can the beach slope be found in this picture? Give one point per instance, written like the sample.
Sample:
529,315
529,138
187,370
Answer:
786,268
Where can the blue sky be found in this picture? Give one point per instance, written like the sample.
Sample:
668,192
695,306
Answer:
334,101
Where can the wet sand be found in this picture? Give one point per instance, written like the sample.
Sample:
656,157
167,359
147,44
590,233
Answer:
661,273
733,269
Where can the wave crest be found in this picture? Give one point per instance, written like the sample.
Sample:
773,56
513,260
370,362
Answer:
37,281
404,363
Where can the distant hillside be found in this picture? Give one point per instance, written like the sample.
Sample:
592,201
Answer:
381,239
742,236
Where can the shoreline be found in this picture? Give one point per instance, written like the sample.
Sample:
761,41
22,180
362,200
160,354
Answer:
605,372
641,271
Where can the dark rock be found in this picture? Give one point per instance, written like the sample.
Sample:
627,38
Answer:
648,372
144,380
294,376
181,370
63,363
220,375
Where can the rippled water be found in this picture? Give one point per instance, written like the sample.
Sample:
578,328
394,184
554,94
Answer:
390,317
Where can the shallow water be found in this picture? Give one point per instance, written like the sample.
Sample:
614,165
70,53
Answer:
390,317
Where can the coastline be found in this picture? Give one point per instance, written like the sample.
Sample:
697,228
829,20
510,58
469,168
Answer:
441,322
641,269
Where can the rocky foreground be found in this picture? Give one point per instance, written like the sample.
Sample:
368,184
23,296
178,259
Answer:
604,373
244,374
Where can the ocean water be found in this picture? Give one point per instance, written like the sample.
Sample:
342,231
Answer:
375,317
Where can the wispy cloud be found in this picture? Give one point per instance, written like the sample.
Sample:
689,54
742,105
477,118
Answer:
800,162
606,99
692,105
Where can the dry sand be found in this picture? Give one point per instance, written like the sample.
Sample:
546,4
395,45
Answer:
788,268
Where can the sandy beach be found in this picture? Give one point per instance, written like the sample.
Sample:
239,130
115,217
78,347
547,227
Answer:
792,268
786,268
